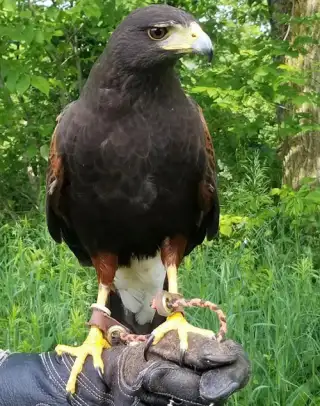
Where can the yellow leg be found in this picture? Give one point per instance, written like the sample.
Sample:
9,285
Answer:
172,274
176,321
103,294
94,344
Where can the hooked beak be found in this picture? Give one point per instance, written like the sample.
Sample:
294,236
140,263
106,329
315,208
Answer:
202,44
191,39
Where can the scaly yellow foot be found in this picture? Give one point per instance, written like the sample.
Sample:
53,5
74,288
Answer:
176,321
93,345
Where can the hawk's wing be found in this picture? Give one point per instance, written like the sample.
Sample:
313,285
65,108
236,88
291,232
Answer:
208,192
208,224
54,184
58,222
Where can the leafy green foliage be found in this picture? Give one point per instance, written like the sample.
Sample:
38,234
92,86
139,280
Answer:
47,52
264,270
253,206
265,276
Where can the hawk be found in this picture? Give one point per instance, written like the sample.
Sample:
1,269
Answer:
131,182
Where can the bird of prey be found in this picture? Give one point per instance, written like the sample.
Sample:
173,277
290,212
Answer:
131,182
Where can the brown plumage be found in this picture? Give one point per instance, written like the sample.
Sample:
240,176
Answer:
137,199
132,168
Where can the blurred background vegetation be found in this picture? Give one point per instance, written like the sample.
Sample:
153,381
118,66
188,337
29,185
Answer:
261,100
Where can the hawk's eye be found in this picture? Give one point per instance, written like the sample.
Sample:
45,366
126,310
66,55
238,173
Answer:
157,33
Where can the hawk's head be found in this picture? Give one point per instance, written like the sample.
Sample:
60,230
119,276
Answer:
155,34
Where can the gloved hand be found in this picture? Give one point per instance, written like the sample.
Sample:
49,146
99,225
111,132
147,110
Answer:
212,373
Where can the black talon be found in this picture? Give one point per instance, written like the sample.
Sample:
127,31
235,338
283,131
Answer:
99,372
58,358
69,398
148,345
182,357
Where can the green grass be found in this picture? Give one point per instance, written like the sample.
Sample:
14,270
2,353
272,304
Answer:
269,289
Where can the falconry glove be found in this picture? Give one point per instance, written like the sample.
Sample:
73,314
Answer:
212,373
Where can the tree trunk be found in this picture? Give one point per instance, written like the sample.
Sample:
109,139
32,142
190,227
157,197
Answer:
301,153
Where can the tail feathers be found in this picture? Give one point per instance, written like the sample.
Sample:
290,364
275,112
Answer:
139,303
132,299
138,284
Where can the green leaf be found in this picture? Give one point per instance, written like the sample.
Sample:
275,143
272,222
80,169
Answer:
28,34
14,33
75,11
311,127
300,100
199,89
288,68
58,33
9,5
41,83
279,98
275,192
297,80
92,10
226,230
25,13
56,83
23,84
212,92
39,37
52,12
303,39
314,196
12,79
44,152
30,152
262,71
233,48
307,180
